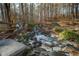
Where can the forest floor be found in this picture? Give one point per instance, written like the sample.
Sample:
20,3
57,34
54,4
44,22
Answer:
43,40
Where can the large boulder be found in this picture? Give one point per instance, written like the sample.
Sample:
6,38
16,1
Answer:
11,47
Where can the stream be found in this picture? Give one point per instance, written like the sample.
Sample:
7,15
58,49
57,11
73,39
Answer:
41,43
45,45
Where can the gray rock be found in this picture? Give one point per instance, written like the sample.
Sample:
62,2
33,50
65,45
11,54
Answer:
50,41
59,53
39,52
10,47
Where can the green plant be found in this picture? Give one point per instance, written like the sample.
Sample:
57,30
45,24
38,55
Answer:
31,26
68,34
57,29
23,37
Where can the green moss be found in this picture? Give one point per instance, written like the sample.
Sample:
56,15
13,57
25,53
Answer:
68,34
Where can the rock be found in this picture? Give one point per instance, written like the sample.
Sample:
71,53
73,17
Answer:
70,42
45,53
10,47
39,52
34,43
57,49
47,48
59,53
50,41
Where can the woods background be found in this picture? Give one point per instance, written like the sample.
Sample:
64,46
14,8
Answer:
12,13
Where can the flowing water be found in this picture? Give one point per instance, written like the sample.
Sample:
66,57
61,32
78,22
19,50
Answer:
49,42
